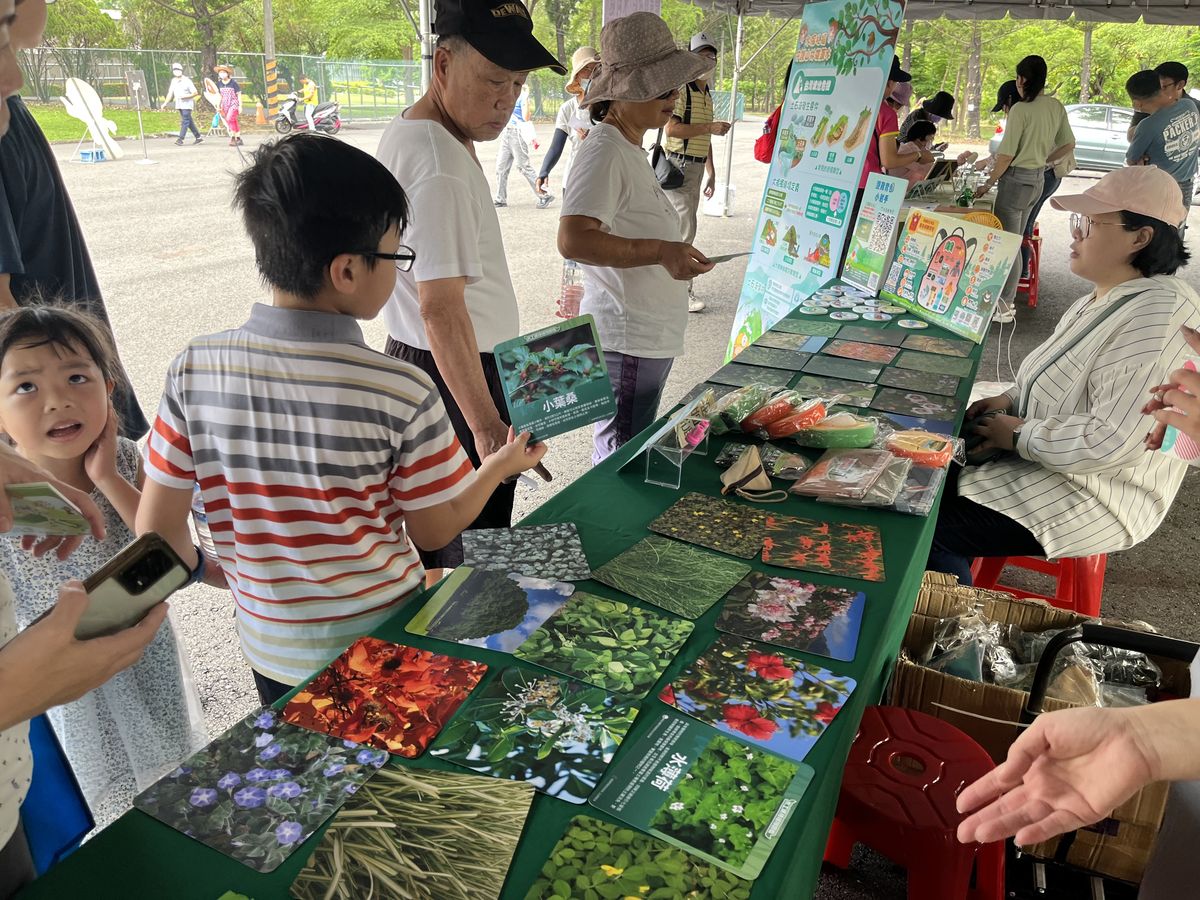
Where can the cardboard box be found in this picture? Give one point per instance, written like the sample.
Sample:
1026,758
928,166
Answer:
1119,846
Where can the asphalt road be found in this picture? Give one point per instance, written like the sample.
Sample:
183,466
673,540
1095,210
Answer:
174,263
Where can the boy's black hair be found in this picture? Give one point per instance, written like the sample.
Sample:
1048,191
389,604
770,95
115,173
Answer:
1175,71
308,198
1143,85
66,330
1165,253
920,129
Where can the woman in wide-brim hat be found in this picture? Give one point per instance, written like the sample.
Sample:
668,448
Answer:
571,123
934,109
618,223
230,108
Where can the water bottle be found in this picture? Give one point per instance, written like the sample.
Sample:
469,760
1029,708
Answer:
200,520
572,290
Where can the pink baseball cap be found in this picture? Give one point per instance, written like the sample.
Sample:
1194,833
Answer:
1146,190
902,93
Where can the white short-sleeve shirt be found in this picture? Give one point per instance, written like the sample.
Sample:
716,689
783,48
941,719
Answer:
16,763
640,311
454,230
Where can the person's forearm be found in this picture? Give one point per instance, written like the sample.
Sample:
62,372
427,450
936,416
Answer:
452,342
432,532
710,168
7,300
164,511
596,248
1000,166
676,129
892,158
124,498
1170,733
1060,153
553,153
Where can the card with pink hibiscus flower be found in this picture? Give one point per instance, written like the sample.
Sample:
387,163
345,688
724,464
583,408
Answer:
799,615
743,689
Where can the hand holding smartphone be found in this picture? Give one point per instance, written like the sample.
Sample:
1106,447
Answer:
120,593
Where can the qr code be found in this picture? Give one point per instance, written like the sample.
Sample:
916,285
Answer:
881,232
969,320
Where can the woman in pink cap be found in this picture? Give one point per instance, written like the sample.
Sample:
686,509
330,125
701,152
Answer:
1072,477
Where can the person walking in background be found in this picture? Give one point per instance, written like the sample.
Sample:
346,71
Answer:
937,108
571,125
231,103
1036,134
42,250
689,144
618,223
308,96
1168,136
514,147
182,92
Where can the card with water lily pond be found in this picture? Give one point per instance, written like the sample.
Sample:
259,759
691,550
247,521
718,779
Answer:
596,860
610,644
555,733
785,340
715,523
719,799
799,615
390,696
261,789
741,688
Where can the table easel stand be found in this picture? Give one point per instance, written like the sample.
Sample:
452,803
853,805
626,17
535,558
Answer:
145,160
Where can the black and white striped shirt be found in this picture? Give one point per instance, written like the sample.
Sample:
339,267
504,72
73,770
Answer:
1083,482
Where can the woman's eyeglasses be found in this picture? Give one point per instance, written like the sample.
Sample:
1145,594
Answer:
1081,225
403,257
667,95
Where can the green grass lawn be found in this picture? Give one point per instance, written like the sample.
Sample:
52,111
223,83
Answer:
59,126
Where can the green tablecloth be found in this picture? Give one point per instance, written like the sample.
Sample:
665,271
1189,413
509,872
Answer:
139,857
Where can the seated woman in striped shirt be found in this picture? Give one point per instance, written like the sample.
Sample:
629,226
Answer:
1075,479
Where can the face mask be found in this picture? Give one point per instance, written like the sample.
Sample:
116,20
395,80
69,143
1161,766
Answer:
583,84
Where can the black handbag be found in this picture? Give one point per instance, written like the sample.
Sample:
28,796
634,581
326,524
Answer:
669,175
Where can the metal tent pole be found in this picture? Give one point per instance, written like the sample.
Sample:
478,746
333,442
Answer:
737,71
426,22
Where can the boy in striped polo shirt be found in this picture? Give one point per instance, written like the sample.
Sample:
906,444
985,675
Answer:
317,458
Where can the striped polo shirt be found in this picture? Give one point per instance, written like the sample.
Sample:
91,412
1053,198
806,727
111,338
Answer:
308,447
701,114
1082,481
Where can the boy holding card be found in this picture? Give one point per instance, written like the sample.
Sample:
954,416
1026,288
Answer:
317,457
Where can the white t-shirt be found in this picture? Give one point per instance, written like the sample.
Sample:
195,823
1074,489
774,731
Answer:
16,762
183,91
641,311
454,230
571,119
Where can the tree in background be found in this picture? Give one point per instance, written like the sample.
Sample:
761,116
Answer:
71,25
206,18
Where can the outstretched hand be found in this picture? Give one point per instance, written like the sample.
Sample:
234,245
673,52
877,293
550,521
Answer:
1069,769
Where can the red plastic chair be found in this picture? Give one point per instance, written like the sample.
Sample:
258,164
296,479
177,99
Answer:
1080,581
905,771
1029,285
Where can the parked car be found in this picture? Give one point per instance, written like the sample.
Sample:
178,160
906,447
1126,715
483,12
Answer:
1100,135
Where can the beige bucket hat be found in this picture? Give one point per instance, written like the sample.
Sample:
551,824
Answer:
580,60
639,61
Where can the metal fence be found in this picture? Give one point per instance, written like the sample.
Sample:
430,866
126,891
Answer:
366,89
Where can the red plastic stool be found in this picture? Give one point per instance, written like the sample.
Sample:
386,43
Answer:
1080,580
1029,285
903,776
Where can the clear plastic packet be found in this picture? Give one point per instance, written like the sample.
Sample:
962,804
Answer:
844,474
728,412
786,466
885,489
1120,696
1115,666
1072,679
927,448
841,431
729,454
961,645
919,491
780,406
804,415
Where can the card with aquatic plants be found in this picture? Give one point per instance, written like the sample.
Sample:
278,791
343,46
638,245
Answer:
419,833
611,644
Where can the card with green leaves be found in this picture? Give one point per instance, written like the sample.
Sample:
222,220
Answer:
555,379
674,576
555,733
610,644
798,324
719,799
596,860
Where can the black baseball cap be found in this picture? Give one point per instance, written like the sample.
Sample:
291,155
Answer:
898,74
501,30
1007,95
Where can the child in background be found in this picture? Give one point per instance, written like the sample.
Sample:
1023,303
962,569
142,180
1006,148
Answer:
57,372
317,457
231,103
920,137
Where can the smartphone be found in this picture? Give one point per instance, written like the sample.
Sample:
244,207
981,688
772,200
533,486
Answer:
121,592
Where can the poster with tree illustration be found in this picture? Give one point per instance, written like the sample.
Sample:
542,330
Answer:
746,689
555,379
826,125
557,734
725,801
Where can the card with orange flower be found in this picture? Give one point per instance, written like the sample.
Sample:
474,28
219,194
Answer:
747,690
855,551
390,696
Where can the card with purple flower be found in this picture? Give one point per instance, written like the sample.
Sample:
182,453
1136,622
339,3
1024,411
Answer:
261,789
